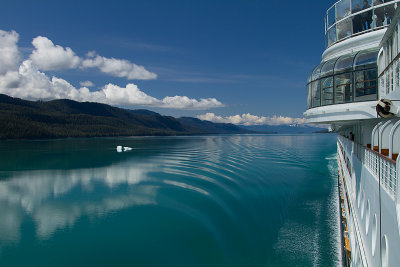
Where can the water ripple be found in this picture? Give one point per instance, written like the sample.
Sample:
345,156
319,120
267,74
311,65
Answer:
202,201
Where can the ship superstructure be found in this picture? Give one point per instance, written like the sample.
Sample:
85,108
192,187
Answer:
356,89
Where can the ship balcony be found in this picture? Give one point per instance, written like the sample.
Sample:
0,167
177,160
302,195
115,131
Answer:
383,168
349,18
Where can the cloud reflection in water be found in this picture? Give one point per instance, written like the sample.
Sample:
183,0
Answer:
56,199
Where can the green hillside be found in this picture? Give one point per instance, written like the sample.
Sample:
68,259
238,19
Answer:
66,118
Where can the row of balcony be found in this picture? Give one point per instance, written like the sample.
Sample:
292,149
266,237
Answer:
380,165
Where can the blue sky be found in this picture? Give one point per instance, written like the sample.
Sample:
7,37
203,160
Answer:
250,56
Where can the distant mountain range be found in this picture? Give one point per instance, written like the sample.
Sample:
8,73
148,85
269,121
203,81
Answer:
285,129
23,119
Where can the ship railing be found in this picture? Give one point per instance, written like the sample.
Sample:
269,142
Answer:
350,211
382,167
344,19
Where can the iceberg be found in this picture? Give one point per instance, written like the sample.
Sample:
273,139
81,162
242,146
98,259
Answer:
123,149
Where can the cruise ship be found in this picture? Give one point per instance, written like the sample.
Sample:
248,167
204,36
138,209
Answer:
356,89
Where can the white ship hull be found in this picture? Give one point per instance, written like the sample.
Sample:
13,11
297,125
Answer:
356,89
369,211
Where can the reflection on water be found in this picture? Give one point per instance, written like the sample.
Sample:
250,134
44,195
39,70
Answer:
43,195
198,201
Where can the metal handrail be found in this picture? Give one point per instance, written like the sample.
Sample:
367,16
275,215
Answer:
378,165
357,13
350,17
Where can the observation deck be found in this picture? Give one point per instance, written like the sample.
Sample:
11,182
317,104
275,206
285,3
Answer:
344,86
349,18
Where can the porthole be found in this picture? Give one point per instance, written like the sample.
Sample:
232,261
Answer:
367,215
374,231
385,251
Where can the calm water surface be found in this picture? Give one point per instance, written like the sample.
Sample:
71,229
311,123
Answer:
264,200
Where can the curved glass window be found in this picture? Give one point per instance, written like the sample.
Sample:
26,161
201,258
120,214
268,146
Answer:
331,16
346,79
316,94
331,36
342,9
344,64
327,91
317,71
349,17
328,67
361,4
379,13
365,85
366,59
343,88
344,28
389,12
309,96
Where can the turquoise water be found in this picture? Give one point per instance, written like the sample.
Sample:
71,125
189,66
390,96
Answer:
242,200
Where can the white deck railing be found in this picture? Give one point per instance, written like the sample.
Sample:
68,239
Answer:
379,165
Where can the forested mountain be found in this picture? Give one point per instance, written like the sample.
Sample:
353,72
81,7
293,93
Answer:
67,118
211,127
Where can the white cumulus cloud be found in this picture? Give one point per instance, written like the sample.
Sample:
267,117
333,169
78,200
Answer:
129,95
9,53
249,119
87,84
118,67
48,56
28,80
184,102
31,83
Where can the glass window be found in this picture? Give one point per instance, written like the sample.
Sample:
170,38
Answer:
344,28
377,2
367,16
331,36
360,4
342,9
331,16
309,96
389,13
317,71
343,88
398,37
363,21
394,45
327,91
379,13
365,59
396,74
316,93
365,85
344,64
327,69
